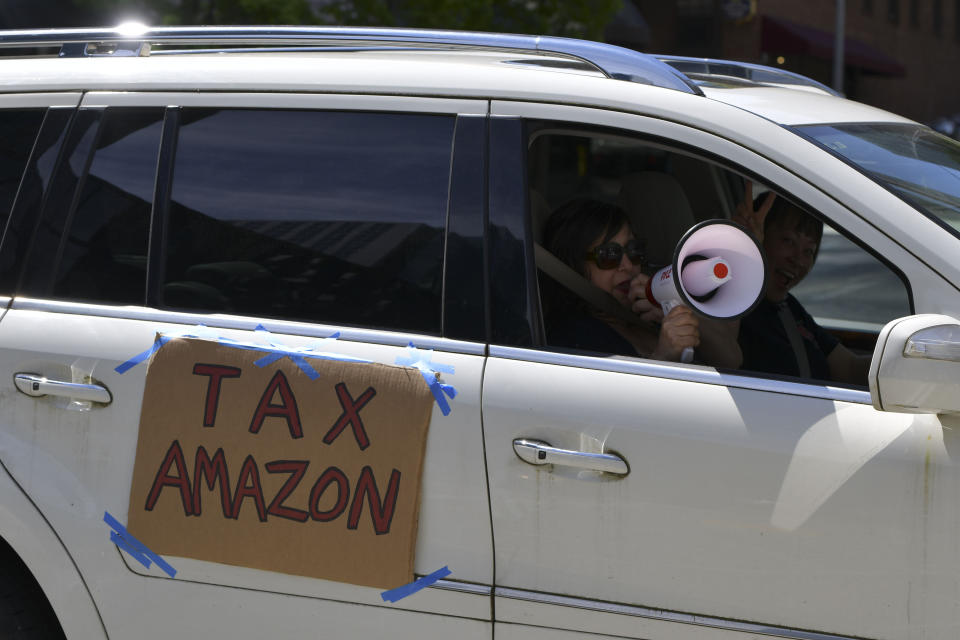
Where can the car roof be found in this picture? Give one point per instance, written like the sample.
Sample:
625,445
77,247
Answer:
799,105
410,62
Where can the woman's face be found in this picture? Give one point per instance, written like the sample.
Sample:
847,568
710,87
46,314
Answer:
790,256
614,281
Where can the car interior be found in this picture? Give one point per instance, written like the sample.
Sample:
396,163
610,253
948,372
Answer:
665,191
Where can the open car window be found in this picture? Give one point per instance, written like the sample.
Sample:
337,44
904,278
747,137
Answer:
849,292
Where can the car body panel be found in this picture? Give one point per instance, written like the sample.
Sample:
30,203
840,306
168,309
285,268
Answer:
30,535
76,462
791,107
739,504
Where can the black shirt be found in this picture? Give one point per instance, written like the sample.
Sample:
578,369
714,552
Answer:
766,347
587,333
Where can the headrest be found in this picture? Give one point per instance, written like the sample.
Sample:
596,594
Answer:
659,212
539,212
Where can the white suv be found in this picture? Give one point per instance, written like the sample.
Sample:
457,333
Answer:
269,187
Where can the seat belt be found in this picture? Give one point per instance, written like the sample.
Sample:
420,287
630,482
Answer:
580,286
796,341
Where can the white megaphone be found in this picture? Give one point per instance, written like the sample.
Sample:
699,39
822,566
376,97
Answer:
722,273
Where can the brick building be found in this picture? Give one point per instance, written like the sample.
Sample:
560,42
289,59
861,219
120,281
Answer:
898,52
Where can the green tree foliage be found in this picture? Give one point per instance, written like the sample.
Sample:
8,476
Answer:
200,12
574,18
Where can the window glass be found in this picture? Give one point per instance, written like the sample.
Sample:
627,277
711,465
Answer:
60,169
850,288
916,163
102,257
836,291
331,217
27,192
18,130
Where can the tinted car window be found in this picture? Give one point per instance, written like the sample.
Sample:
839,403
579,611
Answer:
18,130
103,254
18,140
321,216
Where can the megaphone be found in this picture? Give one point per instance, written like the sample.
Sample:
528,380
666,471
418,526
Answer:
718,270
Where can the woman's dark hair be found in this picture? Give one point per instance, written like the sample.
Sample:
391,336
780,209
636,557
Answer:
787,214
568,234
574,226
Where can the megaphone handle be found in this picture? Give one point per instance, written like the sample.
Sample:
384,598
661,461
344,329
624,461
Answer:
686,356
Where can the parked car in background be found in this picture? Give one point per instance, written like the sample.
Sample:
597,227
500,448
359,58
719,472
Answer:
389,188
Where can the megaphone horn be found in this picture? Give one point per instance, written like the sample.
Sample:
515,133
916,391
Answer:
722,273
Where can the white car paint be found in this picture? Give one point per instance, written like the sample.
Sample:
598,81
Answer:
752,508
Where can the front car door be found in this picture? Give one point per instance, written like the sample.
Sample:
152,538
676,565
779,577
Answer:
753,506
277,220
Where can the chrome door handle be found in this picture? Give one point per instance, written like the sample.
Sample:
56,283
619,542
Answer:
539,453
38,386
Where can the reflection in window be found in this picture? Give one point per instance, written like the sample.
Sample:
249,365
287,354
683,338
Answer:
916,163
104,251
18,129
322,216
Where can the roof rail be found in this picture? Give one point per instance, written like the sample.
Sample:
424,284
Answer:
615,62
710,67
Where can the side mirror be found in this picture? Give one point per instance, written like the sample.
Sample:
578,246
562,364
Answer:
916,365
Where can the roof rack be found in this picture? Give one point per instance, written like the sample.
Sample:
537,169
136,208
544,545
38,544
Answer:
706,68
136,40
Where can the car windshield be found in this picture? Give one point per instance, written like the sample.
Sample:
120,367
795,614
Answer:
918,164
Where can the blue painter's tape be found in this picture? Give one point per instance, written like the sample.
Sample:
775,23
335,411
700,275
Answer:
201,331
140,357
408,589
139,551
423,361
124,544
274,351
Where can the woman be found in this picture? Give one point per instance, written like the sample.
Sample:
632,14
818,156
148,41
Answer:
595,240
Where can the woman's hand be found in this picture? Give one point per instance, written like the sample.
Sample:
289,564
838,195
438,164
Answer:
749,217
680,329
641,306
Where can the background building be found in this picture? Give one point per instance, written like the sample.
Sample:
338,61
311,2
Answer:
898,52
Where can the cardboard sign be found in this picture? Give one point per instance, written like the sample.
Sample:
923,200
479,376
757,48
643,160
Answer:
263,467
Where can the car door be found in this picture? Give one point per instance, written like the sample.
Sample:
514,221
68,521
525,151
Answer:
278,220
689,502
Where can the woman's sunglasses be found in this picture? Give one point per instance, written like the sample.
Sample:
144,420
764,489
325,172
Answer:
609,254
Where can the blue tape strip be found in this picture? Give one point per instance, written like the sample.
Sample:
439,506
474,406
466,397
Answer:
140,357
423,361
274,351
408,589
122,542
201,331
123,539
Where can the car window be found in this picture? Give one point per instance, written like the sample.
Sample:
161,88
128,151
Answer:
315,215
18,131
102,256
916,163
849,293
850,289
18,140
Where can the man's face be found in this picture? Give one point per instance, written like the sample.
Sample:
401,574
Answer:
790,256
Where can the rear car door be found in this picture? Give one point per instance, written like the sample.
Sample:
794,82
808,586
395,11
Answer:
751,506
278,220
